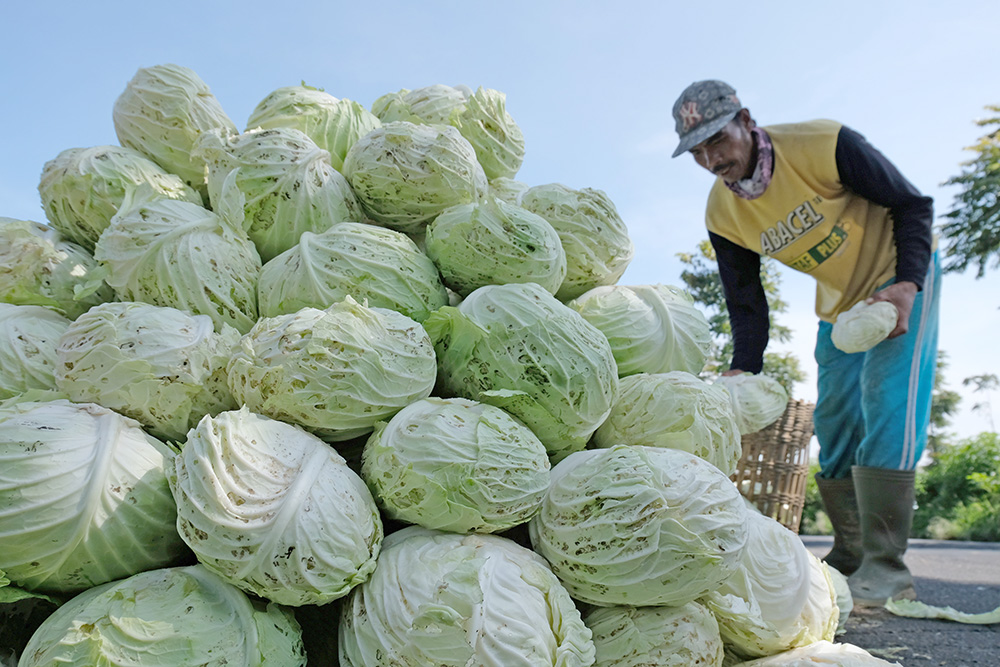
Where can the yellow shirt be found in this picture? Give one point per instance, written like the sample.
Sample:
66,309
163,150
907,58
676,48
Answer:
805,219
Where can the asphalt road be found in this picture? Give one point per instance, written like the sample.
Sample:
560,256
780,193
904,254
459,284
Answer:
962,575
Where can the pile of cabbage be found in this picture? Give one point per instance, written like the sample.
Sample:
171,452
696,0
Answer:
339,388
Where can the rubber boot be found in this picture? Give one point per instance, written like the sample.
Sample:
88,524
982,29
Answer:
841,506
885,508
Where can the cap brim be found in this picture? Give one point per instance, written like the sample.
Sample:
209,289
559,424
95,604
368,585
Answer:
700,134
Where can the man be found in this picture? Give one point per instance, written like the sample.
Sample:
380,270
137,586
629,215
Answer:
819,198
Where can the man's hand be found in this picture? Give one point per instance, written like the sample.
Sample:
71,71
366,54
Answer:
901,295
731,371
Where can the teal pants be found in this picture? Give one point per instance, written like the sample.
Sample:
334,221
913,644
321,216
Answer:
873,408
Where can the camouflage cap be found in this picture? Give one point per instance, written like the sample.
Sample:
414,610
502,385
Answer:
703,109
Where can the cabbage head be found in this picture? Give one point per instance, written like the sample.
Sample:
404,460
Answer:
675,410
455,600
177,254
83,497
162,113
518,348
651,328
640,526
863,326
405,174
334,124
764,608
39,268
457,465
28,339
507,189
679,636
165,618
496,138
821,613
432,105
391,107
598,248
286,181
494,243
336,371
821,653
372,264
845,601
83,188
758,400
160,366
274,510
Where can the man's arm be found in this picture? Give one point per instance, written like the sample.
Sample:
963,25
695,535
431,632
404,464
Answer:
869,174
739,270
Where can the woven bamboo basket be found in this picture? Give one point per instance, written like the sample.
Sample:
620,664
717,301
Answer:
775,464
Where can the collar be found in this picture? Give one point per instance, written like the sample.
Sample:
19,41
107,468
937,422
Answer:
754,186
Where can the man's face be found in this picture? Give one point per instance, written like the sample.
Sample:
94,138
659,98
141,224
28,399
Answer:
729,152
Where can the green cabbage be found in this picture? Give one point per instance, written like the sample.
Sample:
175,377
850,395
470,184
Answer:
160,366
83,497
39,268
286,181
83,188
496,138
454,600
405,174
162,112
758,400
821,653
765,608
334,124
845,601
678,636
598,248
640,526
518,348
433,105
651,328
863,326
455,464
28,339
336,371
481,117
675,410
274,510
507,189
382,267
165,618
494,243
391,107
177,254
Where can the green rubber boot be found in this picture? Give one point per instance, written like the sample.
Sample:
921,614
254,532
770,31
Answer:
885,509
841,506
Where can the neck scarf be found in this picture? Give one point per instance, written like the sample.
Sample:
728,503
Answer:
753,187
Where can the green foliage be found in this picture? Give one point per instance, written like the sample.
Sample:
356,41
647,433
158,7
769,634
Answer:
972,232
944,403
701,279
984,383
814,519
958,495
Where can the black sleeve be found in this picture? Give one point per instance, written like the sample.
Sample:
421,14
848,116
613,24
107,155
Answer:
869,174
739,270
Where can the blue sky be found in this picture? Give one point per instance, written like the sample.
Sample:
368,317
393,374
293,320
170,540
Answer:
590,83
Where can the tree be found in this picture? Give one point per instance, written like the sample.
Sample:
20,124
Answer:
958,495
984,383
703,283
944,403
972,232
